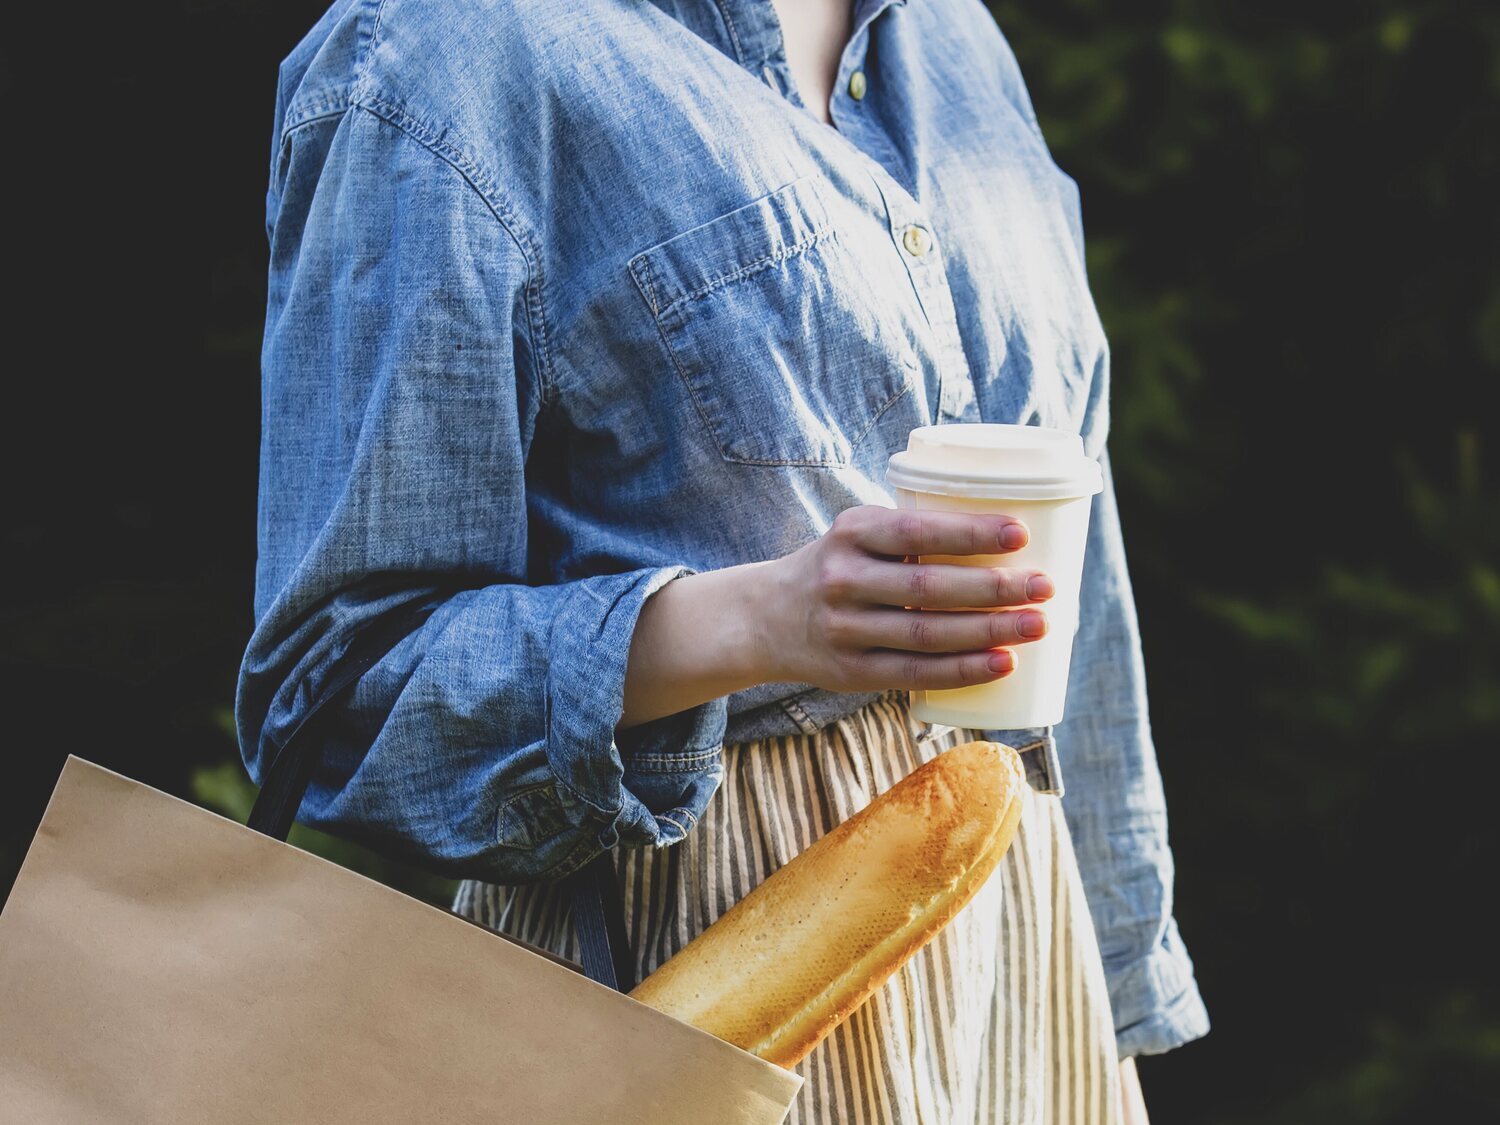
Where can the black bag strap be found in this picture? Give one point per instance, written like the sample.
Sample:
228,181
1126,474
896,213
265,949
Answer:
594,891
599,918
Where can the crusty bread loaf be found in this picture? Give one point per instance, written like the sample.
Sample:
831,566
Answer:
797,955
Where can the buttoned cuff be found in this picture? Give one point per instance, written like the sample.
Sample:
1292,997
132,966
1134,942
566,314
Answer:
675,760
1155,1000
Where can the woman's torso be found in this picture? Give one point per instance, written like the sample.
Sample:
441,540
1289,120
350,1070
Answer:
735,310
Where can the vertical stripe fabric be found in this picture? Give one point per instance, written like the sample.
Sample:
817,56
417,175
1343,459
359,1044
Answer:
1003,1019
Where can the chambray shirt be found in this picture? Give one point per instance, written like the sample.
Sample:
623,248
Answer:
569,298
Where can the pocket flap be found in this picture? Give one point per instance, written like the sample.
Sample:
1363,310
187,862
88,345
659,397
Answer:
735,245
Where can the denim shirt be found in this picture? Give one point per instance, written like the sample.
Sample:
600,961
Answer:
567,300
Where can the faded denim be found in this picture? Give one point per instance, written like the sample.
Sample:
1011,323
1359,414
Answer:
569,299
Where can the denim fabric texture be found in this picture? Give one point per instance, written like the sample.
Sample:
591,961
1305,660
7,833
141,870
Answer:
568,300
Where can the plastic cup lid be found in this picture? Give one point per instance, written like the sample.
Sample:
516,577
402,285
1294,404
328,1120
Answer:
992,460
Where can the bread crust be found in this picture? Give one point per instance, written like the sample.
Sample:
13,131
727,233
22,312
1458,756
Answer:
797,955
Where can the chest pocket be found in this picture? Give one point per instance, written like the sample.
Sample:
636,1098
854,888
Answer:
769,326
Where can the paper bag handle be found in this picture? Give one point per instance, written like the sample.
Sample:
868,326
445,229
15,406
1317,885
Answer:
594,891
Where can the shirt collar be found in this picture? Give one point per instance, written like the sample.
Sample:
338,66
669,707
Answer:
754,32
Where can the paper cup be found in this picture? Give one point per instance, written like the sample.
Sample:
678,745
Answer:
1043,478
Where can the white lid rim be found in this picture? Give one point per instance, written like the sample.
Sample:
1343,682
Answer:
1088,481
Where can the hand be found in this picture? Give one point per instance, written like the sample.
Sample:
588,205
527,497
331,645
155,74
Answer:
1133,1102
835,613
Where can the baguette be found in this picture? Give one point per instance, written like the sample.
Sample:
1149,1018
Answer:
797,955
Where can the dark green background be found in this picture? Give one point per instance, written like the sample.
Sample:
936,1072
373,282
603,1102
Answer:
1291,213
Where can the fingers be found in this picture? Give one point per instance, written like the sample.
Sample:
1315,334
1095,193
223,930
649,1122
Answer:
896,533
919,631
946,585
920,671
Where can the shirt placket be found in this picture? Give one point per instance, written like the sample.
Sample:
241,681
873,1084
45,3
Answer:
909,224
907,221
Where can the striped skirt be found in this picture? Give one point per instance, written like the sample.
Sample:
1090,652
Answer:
1002,1019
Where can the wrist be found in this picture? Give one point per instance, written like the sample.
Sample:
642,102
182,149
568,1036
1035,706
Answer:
699,637
753,606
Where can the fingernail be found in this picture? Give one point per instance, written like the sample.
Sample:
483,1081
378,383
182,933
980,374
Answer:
1002,662
1013,536
1039,586
1031,624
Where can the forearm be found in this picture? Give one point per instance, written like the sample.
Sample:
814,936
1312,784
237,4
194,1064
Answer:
697,638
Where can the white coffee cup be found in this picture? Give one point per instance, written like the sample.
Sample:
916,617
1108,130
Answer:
1042,477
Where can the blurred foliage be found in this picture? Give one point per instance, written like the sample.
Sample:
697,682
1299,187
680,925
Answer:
1454,1048
1295,247
1293,242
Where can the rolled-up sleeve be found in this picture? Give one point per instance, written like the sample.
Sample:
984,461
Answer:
1115,807
403,383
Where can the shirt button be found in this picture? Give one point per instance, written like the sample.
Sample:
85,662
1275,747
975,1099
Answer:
857,85
916,240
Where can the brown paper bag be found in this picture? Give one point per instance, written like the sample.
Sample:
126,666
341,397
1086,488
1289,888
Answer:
159,963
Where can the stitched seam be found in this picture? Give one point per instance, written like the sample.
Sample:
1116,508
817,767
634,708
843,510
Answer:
695,756
643,275
643,282
688,384
754,267
608,813
817,462
367,42
793,462
905,389
375,30
588,844
483,184
698,405
794,708
672,820
522,794
521,798
671,814
665,763
734,35
314,110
